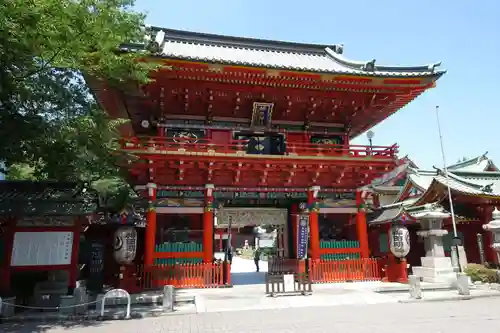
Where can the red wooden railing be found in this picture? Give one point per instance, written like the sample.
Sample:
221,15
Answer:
182,145
186,145
312,149
204,275
345,270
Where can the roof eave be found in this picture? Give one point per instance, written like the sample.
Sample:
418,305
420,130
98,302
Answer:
354,72
248,42
426,70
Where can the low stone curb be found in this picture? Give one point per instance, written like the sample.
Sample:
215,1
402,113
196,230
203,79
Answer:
95,316
449,298
49,317
405,289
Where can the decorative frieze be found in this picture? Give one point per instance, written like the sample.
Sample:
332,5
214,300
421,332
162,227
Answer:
252,216
46,221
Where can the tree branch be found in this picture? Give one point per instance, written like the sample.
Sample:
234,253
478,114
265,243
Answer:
45,65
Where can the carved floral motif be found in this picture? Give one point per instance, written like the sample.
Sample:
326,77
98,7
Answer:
253,216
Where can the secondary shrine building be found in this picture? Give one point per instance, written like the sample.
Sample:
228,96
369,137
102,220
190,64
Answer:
239,132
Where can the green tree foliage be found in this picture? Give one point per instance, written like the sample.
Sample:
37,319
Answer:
50,125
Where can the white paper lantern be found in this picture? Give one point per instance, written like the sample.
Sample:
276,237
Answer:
399,237
125,246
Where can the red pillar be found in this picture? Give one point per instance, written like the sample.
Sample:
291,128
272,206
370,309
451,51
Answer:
361,227
208,225
150,234
403,270
312,195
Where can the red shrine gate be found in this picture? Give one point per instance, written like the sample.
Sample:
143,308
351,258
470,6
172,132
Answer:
233,124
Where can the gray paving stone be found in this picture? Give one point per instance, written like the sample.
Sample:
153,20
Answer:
476,315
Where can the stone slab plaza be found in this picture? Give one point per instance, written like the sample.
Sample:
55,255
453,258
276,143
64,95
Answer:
432,317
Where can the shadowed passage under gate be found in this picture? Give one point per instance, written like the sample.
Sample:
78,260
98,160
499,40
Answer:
243,272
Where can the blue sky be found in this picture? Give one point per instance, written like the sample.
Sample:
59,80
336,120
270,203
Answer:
464,35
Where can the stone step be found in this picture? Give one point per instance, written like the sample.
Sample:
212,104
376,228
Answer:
432,272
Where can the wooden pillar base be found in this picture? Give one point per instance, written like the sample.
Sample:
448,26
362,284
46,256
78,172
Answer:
396,270
403,271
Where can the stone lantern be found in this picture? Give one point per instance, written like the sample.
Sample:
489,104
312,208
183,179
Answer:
436,267
494,227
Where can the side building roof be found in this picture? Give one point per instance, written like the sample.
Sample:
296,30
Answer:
45,198
239,51
477,164
472,177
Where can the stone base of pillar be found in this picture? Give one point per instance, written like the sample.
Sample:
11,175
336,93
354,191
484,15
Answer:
436,270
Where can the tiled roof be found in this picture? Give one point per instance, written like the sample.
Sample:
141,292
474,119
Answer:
476,164
395,211
175,44
387,215
487,186
468,177
422,179
26,198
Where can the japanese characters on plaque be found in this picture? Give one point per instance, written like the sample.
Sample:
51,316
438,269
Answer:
262,114
42,248
302,236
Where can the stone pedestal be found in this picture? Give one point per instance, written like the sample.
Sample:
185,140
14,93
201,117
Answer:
415,288
463,284
7,307
436,267
494,227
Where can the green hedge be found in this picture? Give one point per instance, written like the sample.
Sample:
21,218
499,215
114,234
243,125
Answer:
480,273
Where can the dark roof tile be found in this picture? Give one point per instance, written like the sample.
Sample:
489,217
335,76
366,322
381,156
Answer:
176,44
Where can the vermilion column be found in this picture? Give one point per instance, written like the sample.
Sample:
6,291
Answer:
312,195
361,227
208,225
150,235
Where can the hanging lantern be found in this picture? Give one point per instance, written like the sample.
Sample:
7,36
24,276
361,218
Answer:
125,246
399,237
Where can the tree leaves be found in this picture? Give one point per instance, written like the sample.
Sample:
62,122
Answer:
50,125
49,119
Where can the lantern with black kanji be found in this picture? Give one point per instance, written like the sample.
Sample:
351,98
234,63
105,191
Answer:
399,237
125,245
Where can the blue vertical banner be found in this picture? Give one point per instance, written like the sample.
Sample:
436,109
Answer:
302,236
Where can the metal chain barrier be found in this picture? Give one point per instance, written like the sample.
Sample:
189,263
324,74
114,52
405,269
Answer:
114,293
2,303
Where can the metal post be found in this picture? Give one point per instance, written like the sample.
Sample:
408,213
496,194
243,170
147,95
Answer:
452,211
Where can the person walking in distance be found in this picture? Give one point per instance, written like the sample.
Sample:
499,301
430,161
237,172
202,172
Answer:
230,254
256,257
